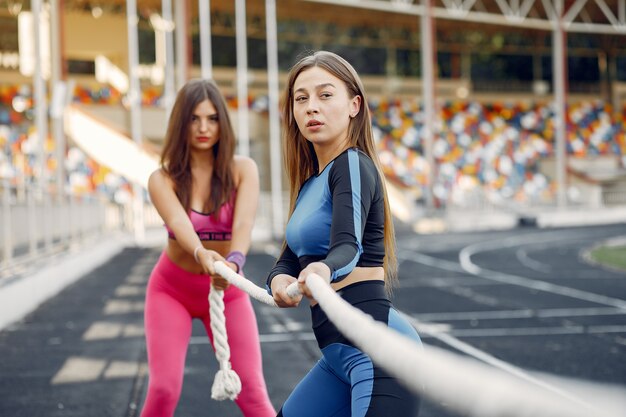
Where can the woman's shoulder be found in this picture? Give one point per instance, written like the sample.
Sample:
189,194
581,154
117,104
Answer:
242,163
159,182
243,160
354,165
350,157
159,177
244,166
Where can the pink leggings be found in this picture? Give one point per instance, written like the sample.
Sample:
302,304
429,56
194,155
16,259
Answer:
174,297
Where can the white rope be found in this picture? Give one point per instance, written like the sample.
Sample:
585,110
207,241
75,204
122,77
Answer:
227,384
464,384
249,287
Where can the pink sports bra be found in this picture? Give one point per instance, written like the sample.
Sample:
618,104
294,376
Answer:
208,227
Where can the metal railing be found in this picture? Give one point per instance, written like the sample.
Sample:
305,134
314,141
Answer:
614,198
36,222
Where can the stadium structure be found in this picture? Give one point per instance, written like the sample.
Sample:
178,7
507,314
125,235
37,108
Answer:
504,107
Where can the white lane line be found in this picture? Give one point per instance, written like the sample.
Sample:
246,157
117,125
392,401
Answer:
430,261
79,369
606,329
130,290
263,338
474,296
465,257
101,330
519,314
466,281
522,256
430,329
536,331
121,369
121,306
487,358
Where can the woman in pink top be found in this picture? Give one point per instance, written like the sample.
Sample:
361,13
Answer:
207,197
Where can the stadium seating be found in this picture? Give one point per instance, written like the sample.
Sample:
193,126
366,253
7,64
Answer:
486,151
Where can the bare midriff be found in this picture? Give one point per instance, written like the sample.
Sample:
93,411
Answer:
358,274
186,261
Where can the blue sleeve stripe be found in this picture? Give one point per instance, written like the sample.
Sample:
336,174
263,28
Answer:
355,181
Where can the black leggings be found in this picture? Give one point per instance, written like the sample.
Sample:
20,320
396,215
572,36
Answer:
345,382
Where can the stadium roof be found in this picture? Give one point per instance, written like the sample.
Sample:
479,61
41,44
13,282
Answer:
593,16
590,16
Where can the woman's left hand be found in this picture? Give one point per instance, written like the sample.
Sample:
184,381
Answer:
207,259
317,268
219,282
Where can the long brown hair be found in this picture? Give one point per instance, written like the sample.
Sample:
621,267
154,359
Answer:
298,152
176,154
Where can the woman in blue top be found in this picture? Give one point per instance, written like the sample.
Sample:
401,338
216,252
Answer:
340,228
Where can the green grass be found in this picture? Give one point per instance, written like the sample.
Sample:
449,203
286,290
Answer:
614,256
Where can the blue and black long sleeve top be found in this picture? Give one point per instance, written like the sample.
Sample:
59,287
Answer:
338,219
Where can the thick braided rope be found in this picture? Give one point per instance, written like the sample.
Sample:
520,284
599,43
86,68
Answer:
248,286
444,375
463,383
227,384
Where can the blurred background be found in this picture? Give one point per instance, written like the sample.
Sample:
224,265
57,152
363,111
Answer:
512,109
500,125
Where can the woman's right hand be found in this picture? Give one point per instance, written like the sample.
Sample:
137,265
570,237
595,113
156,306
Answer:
207,259
279,290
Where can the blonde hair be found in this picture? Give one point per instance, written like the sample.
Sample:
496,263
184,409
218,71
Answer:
298,153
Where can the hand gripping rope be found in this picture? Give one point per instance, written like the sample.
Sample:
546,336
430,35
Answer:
227,384
464,384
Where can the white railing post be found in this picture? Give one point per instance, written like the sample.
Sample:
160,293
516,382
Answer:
46,216
81,219
72,219
63,228
42,230
7,249
32,220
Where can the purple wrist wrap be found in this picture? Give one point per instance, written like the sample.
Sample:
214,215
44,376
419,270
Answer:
237,258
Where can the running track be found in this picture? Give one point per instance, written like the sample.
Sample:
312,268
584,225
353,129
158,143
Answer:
524,298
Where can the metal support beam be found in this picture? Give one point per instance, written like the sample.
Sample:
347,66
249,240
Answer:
59,87
559,78
134,96
242,78
507,17
204,20
41,119
274,118
428,93
182,42
169,88
41,107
